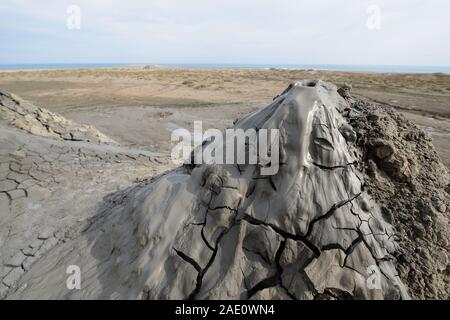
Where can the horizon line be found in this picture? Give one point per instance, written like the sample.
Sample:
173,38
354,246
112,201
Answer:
224,63
355,68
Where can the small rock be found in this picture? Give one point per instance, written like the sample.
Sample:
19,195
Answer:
384,151
404,258
427,219
373,117
347,132
418,229
344,91
442,207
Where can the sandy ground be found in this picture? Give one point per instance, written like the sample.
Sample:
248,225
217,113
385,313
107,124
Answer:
139,107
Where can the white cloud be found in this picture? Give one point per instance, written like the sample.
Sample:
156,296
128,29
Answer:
246,31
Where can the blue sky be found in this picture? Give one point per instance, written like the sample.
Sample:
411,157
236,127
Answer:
411,32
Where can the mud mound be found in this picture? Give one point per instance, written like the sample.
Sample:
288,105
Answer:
311,231
406,177
39,121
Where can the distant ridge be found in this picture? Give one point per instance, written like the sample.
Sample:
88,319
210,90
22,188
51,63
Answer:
330,67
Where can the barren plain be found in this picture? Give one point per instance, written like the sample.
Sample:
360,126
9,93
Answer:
140,106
